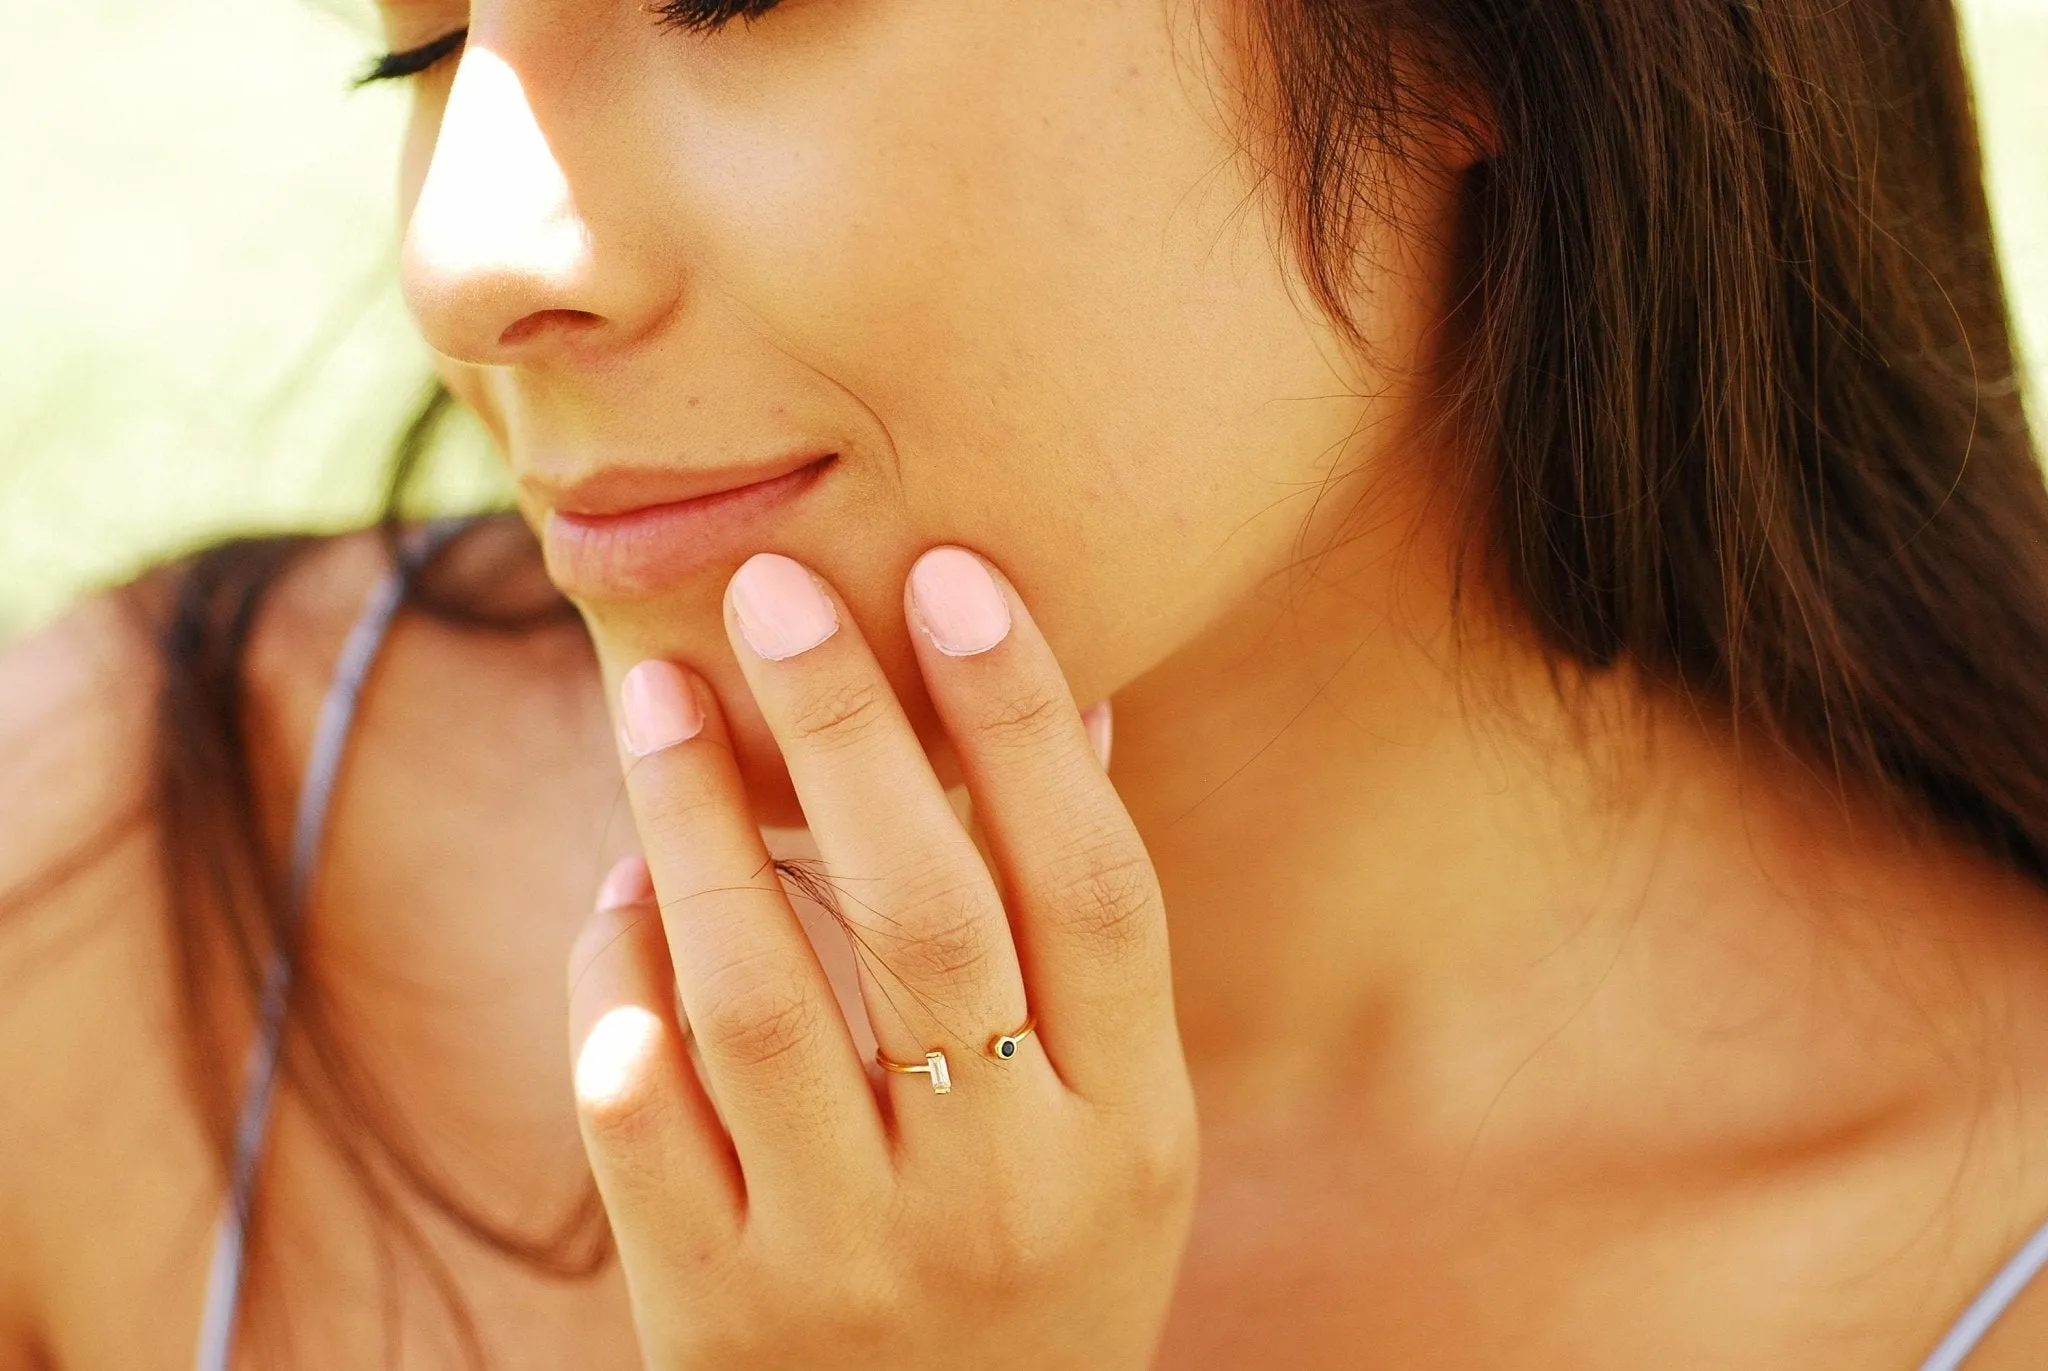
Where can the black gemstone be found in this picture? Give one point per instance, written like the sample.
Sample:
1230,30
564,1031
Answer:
1009,1049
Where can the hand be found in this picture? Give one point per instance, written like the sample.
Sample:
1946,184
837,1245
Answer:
825,1213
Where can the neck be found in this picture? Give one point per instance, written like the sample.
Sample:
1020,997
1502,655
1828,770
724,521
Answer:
1392,872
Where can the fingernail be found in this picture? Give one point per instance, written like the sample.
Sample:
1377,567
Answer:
656,708
628,882
1097,719
963,609
782,612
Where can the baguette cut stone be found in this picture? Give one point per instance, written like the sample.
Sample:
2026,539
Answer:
942,1080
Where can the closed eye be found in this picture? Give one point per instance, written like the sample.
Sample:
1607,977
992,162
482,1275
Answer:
691,16
707,16
395,66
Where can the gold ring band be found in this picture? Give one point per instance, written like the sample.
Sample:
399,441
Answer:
934,1062
1002,1047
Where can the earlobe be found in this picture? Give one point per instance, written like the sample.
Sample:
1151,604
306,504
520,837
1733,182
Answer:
1480,137
1463,127
1467,130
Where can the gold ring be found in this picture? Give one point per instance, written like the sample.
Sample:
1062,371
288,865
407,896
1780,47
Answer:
934,1062
1002,1047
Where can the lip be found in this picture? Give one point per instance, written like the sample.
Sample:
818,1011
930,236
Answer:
605,538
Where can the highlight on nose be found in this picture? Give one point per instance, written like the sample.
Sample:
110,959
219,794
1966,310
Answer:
494,241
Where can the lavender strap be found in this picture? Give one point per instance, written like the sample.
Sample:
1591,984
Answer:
309,825
1985,1310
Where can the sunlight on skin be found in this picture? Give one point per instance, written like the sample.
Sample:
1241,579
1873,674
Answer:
617,1059
159,427
499,194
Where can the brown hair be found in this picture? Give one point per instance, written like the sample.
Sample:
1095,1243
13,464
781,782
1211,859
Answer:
1740,385
1740,397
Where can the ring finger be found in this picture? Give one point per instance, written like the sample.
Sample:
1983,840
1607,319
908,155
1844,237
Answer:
777,1054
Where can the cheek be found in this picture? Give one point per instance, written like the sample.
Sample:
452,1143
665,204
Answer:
1052,289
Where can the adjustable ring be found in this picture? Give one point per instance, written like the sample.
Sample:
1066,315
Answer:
1002,1047
934,1063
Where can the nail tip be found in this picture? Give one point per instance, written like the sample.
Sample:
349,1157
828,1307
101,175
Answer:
657,708
628,883
975,650
768,612
1099,721
961,615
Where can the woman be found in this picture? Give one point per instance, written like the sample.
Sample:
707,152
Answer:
1542,490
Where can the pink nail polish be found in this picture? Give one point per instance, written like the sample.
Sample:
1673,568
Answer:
781,610
657,708
1097,719
628,882
962,607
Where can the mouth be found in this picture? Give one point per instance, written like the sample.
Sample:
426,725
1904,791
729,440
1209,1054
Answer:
628,534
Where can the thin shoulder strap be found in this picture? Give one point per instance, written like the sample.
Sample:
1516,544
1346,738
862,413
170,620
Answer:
309,826
1969,1330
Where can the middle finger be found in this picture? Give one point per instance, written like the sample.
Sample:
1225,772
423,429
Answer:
939,964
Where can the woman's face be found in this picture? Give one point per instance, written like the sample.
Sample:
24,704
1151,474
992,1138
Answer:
1006,260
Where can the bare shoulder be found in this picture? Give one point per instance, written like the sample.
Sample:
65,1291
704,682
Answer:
83,707
107,1177
77,896
76,699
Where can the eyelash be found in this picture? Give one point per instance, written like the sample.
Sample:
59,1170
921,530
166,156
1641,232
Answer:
688,16
708,16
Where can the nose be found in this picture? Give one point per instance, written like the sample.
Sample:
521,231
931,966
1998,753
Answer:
501,264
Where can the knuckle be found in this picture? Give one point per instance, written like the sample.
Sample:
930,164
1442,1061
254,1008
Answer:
839,714
1161,1166
949,937
1026,1219
763,1034
1024,718
870,1318
1010,1244
854,1299
756,1015
622,1092
1023,1239
733,1338
1110,895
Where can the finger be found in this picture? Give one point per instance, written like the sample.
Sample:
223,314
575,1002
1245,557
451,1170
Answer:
776,1051
939,968
1080,886
663,1165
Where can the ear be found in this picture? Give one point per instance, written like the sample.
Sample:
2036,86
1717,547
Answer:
1475,136
1462,127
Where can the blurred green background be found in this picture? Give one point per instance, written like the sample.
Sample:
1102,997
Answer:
200,328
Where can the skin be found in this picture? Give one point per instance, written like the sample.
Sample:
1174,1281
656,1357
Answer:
1010,267
1513,1036
802,1221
